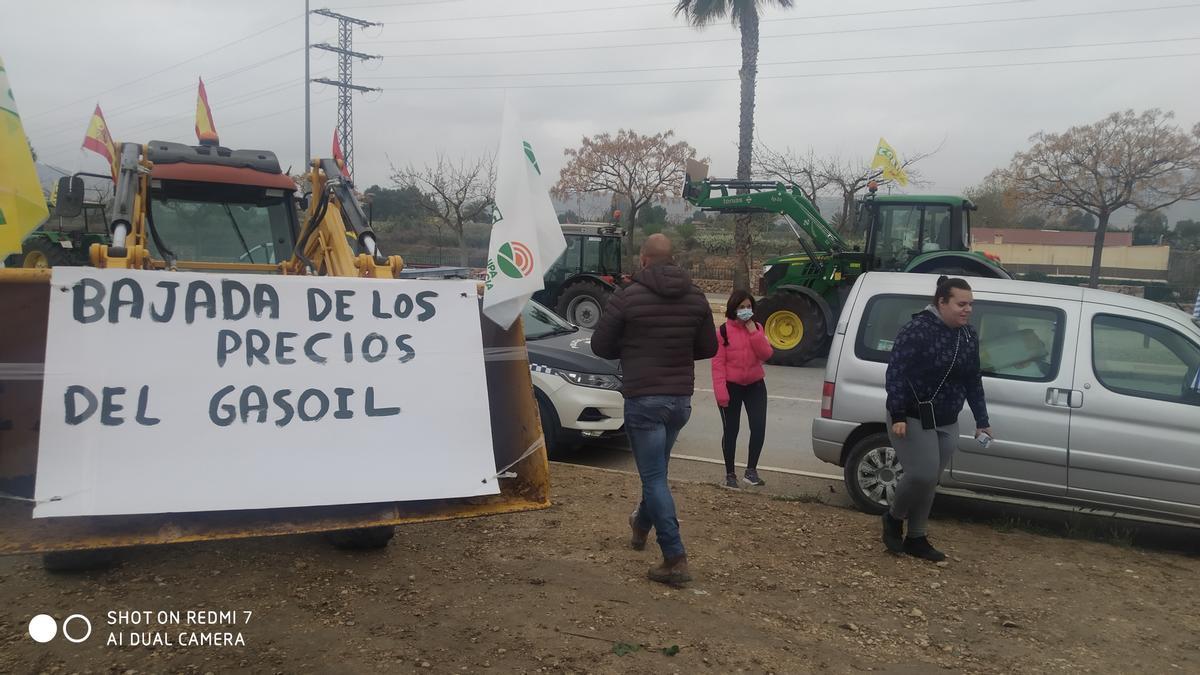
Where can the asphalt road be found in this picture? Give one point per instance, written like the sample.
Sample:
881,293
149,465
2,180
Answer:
794,399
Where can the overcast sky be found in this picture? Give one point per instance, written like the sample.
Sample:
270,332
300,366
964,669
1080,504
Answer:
448,63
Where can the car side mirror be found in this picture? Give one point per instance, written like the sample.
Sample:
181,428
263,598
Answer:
302,202
68,201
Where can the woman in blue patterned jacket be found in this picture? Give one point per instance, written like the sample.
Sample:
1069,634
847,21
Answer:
934,368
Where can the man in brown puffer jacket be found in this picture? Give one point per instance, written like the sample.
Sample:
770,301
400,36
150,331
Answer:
657,326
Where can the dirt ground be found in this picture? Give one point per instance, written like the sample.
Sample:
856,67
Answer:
781,586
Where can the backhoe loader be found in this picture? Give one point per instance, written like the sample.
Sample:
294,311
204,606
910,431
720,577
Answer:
210,209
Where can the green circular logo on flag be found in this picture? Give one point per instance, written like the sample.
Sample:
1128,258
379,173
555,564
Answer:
515,260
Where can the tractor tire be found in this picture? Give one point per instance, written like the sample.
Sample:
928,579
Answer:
582,303
795,327
362,538
40,253
872,471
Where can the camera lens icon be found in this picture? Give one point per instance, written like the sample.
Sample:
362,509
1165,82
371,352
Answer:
43,628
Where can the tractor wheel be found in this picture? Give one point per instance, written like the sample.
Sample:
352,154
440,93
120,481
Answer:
40,253
795,327
582,303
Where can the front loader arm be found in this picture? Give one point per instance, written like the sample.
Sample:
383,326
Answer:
336,238
712,194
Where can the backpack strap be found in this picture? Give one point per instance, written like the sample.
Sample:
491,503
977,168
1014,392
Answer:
724,335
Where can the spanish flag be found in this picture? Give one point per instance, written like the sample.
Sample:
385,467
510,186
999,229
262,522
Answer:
206,130
887,159
99,140
338,156
22,204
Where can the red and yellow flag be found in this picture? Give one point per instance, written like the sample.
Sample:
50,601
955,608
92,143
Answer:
206,130
338,156
99,140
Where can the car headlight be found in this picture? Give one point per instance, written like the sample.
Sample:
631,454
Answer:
593,380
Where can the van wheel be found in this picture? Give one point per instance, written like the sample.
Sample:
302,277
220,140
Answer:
795,327
872,472
362,538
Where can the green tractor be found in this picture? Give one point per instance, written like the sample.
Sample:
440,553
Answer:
64,240
804,292
580,282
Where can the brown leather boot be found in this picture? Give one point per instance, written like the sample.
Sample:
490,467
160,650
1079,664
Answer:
637,540
673,571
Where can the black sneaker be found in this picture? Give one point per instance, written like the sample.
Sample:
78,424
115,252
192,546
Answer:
893,533
921,548
752,478
731,481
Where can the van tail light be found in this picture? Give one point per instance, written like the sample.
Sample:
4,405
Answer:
827,400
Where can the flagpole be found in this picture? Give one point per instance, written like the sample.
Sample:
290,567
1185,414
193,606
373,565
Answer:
307,108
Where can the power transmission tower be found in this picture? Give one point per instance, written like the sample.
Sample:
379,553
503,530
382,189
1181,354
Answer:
344,83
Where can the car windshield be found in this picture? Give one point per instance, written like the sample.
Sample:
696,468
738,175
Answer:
541,322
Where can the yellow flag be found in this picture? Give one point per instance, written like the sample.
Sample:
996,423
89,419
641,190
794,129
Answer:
22,204
887,159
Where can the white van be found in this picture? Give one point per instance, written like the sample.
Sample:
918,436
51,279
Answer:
1094,397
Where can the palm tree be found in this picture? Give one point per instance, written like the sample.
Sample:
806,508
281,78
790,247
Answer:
744,15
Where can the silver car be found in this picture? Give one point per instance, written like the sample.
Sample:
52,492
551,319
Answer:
1094,398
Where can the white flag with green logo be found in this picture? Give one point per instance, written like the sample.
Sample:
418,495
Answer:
526,237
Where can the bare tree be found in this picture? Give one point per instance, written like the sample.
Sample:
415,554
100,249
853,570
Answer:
458,192
814,176
1125,159
801,171
633,167
850,177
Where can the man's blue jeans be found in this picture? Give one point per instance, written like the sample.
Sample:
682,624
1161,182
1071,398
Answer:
653,424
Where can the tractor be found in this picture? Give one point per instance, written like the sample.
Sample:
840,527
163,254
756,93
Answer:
63,240
580,282
803,293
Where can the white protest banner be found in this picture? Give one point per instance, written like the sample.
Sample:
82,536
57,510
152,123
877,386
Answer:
173,392
526,237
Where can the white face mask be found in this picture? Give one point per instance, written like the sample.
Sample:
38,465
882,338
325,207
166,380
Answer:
745,314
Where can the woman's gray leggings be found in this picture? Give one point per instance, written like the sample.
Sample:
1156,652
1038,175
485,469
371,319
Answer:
924,455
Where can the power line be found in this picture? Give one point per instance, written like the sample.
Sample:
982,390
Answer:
786,63
801,75
809,34
578,10
171,93
256,118
400,5
231,102
93,97
687,27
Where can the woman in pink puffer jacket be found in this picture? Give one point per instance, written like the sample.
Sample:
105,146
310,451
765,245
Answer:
738,378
